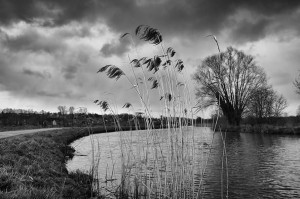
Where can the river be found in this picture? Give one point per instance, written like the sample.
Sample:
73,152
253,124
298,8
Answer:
258,166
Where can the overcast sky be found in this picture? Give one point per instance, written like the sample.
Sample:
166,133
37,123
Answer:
50,50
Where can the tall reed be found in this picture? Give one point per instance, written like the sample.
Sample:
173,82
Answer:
157,165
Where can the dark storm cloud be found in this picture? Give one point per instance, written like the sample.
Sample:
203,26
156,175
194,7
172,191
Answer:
115,48
47,94
249,31
70,72
172,17
65,94
30,40
51,11
81,31
38,74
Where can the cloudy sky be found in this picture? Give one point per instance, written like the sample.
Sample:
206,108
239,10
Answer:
50,50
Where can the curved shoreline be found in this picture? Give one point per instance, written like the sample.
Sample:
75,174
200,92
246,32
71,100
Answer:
34,165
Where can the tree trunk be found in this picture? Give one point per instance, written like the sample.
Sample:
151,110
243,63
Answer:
232,114
233,117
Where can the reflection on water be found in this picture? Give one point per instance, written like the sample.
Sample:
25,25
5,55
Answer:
259,166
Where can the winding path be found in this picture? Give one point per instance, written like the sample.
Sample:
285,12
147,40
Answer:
6,134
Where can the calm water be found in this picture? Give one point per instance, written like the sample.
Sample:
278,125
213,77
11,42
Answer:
259,166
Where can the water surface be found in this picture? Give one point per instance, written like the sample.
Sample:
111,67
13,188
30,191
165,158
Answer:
259,166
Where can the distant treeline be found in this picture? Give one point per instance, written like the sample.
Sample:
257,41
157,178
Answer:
17,118
24,118
277,121
288,121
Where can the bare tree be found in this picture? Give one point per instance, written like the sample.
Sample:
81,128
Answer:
260,105
83,110
265,102
62,110
228,79
298,111
297,85
71,110
279,104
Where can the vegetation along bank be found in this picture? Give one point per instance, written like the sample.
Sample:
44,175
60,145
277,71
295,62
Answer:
33,165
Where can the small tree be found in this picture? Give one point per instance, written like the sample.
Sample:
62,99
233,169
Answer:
297,85
279,105
298,111
265,102
228,79
62,110
71,110
261,102
83,110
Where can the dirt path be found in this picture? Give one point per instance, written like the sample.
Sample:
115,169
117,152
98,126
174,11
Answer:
5,134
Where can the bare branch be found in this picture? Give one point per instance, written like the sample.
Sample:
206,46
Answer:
229,78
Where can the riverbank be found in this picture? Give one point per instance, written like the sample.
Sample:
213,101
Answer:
5,134
265,129
33,165
17,128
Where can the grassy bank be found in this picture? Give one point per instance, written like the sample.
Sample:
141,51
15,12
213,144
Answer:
16,128
33,166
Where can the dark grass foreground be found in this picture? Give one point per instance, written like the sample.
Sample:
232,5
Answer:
33,166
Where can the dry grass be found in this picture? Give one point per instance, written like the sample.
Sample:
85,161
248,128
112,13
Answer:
157,165
33,166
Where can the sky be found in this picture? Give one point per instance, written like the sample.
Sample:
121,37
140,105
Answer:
51,50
